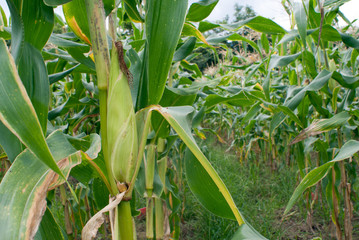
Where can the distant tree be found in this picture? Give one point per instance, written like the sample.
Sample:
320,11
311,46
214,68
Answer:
243,12
206,58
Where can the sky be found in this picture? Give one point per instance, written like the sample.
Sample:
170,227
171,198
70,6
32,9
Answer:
272,9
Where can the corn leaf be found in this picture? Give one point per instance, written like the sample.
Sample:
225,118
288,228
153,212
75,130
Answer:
76,17
171,98
185,50
109,5
205,26
38,22
131,10
247,232
2,24
180,120
61,75
204,188
243,98
301,20
33,74
17,31
293,103
10,143
17,113
49,229
200,10
29,181
54,3
348,150
281,61
348,81
164,22
323,125
204,181
313,177
190,30
258,23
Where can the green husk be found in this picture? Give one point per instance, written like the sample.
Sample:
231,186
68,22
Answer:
121,122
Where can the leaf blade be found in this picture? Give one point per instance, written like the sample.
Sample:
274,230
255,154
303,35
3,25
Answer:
17,113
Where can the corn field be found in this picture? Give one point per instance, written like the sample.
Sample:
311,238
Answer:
109,108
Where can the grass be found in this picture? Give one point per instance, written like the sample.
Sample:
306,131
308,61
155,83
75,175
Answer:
261,196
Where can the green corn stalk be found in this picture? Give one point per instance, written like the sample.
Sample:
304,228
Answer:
150,168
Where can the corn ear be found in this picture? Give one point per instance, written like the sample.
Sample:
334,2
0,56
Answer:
121,123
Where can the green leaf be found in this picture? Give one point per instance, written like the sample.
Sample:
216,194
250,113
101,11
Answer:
79,55
49,229
243,98
180,120
200,10
131,10
329,33
135,69
191,30
301,20
309,180
54,3
76,17
317,101
251,113
310,63
61,42
185,50
10,143
265,42
291,114
258,23
33,74
164,22
3,19
349,41
348,150
29,181
101,193
192,67
205,26
247,232
38,22
17,32
58,76
317,174
93,164
281,61
18,114
204,188
323,125
109,5
237,37
171,98
293,103
348,81
5,33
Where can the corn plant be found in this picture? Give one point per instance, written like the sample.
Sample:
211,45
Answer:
299,98
116,83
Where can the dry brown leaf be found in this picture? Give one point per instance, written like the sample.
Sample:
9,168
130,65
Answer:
89,232
52,180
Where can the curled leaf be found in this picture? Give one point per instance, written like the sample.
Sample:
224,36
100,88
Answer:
89,232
